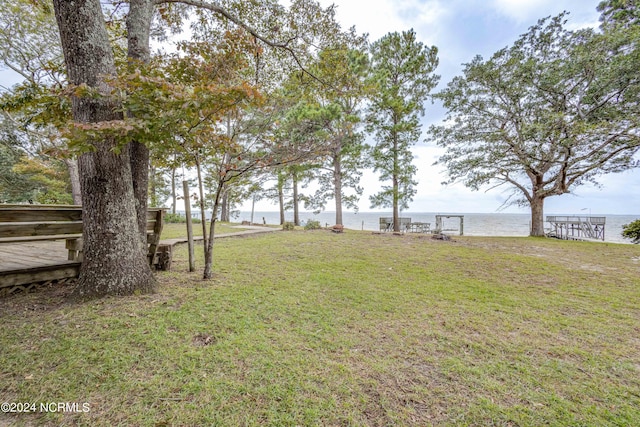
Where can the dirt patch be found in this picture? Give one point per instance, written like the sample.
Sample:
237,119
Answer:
46,297
203,340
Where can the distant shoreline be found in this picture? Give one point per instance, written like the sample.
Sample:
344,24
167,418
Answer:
475,224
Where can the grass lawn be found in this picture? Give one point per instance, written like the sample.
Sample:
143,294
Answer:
315,328
175,230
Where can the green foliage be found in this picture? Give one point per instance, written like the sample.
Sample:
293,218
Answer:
29,45
619,12
167,104
30,42
288,226
312,225
48,177
337,112
554,111
159,185
27,177
14,187
172,218
179,219
402,75
632,231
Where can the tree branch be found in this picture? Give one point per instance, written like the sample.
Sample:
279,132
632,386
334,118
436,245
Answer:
221,11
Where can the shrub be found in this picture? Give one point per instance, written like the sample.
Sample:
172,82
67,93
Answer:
312,225
171,218
288,226
632,231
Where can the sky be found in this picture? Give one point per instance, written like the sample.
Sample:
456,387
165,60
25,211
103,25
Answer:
462,29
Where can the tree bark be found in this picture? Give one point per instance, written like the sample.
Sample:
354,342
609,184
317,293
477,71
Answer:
396,186
337,185
74,177
138,31
187,213
281,200
139,160
114,260
224,207
208,250
296,209
153,191
174,195
203,214
537,216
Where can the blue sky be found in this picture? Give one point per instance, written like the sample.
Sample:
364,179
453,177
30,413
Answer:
462,29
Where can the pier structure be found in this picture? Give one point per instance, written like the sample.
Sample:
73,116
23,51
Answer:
576,227
439,223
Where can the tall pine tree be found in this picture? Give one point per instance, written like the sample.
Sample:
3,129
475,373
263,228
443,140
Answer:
402,70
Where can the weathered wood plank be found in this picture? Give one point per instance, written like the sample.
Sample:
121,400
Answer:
32,254
37,236
26,239
23,263
30,229
39,215
157,231
38,207
14,263
37,274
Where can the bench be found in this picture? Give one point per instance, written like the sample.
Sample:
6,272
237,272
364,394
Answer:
34,223
420,227
386,224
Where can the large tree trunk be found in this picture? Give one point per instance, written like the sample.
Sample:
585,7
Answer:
139,160
138,31
74,177
114,260
537,216
337,185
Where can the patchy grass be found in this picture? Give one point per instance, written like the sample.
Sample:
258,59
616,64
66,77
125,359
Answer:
172,231
318,328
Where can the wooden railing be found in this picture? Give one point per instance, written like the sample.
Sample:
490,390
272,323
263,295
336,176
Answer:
33,264
24,223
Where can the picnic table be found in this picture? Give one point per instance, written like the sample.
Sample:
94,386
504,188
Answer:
420,227
386,224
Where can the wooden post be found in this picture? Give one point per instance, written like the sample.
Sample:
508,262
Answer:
154,239
253,208
187,212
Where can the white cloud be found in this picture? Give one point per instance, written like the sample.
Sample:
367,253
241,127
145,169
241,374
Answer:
524,11
375,17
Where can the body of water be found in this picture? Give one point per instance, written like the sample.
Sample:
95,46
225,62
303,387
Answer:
475,224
